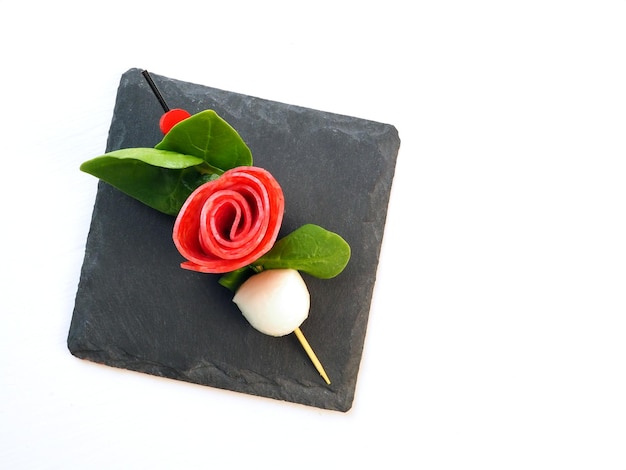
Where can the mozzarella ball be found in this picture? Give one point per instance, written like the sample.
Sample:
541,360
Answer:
275,302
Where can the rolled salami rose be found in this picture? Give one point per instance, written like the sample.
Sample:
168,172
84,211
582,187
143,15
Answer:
229,222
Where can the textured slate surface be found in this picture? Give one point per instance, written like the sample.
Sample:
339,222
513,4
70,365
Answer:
137,309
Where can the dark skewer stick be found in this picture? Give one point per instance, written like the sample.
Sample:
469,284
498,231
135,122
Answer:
155,90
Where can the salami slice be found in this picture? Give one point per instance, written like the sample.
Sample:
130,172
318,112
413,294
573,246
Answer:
230,222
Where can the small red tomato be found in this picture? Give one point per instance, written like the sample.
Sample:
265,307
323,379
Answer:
171,118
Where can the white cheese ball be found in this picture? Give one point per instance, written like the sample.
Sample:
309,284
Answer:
275,302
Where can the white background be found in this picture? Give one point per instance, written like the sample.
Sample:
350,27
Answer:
497,335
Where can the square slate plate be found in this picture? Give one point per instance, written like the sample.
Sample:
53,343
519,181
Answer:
137,309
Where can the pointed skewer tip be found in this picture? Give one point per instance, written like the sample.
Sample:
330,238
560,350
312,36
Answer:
307,347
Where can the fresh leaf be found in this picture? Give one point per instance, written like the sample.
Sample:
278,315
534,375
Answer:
155,157
207,136
310,249
160,179
195,150
234,279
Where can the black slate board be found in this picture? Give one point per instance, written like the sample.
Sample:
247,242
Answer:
137,309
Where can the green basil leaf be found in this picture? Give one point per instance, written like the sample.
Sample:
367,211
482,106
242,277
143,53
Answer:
155,157
234,279
310,249
209,137
160,179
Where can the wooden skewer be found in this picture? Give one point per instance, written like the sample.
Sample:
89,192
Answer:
307,347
